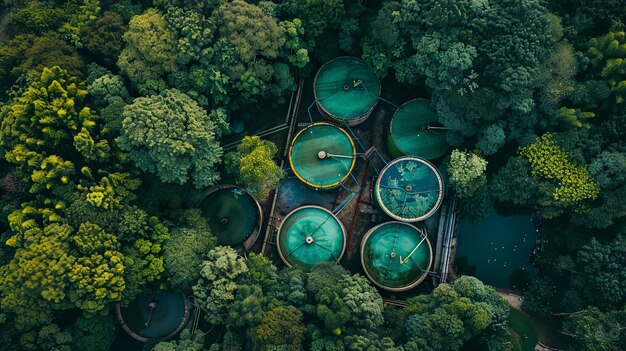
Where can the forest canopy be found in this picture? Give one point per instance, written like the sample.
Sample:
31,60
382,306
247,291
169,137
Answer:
116,116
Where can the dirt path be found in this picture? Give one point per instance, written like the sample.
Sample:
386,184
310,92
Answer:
513,299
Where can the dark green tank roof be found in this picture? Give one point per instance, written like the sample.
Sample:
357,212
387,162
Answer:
396,256
409,189
310,235
232,213
413,131
325,170
346,88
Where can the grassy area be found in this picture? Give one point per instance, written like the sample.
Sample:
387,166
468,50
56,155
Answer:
523,329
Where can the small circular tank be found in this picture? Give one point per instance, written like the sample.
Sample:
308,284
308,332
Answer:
416,131
322,155
346,90
156,317
234,216
396,256
310,235
409,189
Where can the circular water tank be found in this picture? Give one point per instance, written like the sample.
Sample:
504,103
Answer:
396,256
416,131
310,235
409,189
322,155
233,215
346,90
154,317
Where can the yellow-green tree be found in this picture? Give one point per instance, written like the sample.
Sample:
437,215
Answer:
608,57
573,185
467,172
254,167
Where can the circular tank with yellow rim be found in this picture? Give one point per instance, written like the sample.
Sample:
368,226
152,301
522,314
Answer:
322,155
409,189
310,235
396,256
346,90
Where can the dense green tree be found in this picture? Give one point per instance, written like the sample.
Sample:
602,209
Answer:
466,171
248,42
600,278
217,285
24,56
453,314
538,298
186,342
280,328
594,330
194,34
92,332
317,16
103,37
185,250
106,89
150,52
481,61
253,166
607,54
173,137
202,6
573,185
39,17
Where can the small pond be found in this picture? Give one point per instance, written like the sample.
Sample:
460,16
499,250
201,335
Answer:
497,247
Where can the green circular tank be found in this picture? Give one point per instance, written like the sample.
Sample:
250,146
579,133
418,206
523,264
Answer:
156,317
409,189
415,130
396,256
322,155
234,216
346,90
310,235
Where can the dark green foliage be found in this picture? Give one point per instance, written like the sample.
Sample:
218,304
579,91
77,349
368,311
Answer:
103,37
185,250
38,17
537,299
453,314
317,16
84,222
150,52
480,60
186,342
25,56
171,136
280,328
593,330
600,276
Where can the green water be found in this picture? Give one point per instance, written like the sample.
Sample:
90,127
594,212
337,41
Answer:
232,215
346,88
409,135
330,170
166,317
497,246
395,255
326,237
409,189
